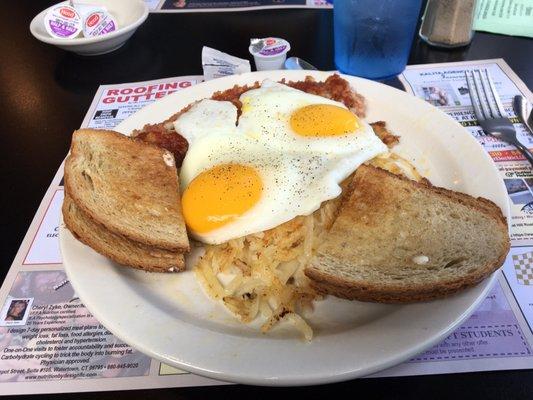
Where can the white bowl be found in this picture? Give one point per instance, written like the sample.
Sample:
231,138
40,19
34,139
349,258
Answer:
128,13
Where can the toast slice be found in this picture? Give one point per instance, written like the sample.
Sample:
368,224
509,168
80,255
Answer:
127,186
397,241
116,247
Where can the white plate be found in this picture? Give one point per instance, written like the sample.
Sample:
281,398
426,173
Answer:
168,317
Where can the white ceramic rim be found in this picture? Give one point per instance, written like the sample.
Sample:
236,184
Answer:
472,296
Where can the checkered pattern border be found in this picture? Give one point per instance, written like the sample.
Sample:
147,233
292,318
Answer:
523,266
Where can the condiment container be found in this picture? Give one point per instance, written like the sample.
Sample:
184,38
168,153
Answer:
269,53
448,23
63,22
98,22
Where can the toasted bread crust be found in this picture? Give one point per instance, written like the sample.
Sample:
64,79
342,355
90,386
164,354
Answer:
116,247
171,183
364,291
476,203
367,290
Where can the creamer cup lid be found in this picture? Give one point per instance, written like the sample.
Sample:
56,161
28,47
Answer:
63,22
99,22
269,47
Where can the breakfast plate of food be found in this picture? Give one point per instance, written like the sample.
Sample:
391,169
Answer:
282,227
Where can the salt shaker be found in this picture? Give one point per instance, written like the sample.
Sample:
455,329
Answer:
448,23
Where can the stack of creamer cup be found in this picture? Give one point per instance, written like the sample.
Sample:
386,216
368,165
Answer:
76,19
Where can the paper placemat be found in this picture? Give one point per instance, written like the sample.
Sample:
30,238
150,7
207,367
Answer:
50,343
508,17
170,6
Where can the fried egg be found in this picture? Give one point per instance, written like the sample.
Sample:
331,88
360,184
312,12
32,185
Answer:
285,155
294,120
206,117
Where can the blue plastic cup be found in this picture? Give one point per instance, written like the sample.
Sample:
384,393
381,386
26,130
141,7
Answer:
373,37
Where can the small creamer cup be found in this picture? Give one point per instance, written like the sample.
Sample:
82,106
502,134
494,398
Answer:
63,22
98,22
271,55
96,19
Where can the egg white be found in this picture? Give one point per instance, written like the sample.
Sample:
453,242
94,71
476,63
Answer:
293,183
267,110
298,173
205,117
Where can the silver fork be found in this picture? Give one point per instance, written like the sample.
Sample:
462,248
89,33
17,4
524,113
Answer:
489,110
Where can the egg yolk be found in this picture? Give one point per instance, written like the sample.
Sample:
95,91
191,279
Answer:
323,120
220,195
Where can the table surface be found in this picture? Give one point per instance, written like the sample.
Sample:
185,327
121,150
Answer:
45,93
